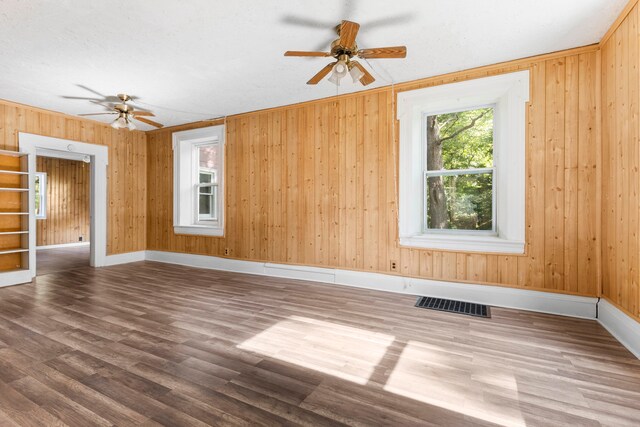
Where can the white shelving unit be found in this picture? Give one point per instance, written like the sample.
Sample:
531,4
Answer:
14,217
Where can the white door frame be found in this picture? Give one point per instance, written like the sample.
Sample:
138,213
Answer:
39,145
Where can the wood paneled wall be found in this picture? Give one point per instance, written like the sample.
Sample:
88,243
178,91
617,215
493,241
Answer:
621,163
315,184
68,196
126,174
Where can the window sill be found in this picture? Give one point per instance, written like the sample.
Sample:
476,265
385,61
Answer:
464,243
199,230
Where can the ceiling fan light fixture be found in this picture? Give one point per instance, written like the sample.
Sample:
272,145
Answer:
126,114
335,78
340,70
344,49
119,123
356,74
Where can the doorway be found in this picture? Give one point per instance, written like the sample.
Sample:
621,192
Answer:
96,159
62,208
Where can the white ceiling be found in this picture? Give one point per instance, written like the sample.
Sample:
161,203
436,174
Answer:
197,59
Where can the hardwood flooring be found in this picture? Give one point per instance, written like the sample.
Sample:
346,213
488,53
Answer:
62,259
154,344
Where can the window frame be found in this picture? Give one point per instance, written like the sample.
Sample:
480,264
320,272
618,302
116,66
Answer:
42,176
508,93
186,176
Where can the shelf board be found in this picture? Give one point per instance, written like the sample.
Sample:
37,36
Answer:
13,172
12,189
13,251
13,270
12,153
14,213
8,233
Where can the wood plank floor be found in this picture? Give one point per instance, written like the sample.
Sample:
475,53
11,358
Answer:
154,344
54,260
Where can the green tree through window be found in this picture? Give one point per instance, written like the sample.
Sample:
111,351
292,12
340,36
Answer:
459,175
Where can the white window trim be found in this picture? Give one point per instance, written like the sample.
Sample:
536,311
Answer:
43,195
184,218
509,93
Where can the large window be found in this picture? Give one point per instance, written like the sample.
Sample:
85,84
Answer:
462,165
40,192
198,181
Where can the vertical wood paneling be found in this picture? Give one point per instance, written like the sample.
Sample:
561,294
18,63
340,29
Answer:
68,202
587,184
126,172
554,174
621,161
319,180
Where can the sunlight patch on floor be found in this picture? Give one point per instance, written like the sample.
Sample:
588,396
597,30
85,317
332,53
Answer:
450,385
331,348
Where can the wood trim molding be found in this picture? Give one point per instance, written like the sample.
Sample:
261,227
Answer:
623,15
16,277
619,324
124,258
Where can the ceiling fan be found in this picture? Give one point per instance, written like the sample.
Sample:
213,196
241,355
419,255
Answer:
343,50
126,114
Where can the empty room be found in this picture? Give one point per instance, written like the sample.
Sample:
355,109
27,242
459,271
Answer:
356,212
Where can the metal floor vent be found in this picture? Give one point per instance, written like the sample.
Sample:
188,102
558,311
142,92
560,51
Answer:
468,308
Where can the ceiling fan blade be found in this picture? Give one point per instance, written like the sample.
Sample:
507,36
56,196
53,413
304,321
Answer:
403,18
82,98
348,33
147,121
384,52
95,92
96,114
367,78
143,113
321,74
301,53
306,22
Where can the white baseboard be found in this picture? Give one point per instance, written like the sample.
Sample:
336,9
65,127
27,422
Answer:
620,325
124,258
17,277
63,245
544,302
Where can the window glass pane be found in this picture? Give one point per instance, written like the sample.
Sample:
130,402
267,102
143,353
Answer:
460,202
208,159
206,190
205,177
205,204
37,193
460,140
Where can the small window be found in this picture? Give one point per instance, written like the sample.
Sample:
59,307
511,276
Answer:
459,171
40,192
198,181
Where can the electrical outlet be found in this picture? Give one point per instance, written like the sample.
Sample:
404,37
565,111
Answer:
227,251
393,265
